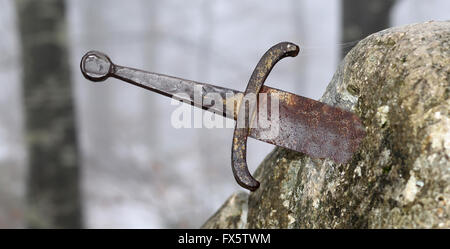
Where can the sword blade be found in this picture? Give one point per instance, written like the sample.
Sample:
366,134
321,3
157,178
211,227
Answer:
314,128
305,125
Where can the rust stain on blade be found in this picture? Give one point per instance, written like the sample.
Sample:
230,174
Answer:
314,128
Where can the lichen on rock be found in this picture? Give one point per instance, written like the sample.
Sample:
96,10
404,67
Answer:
232,214
398,82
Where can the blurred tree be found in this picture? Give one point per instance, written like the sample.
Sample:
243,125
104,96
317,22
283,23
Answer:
362,18
53,192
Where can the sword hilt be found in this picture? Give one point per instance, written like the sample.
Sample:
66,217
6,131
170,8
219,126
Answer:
97,66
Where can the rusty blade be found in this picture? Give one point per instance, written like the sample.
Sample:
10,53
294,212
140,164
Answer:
314,128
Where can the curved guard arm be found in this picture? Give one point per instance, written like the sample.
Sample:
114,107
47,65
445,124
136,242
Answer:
259,75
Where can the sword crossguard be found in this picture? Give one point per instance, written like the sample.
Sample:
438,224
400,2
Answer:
259,75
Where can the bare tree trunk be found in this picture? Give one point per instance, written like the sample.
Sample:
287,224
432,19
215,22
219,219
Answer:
53,192
362,18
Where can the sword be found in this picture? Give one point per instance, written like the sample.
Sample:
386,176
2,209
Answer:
305,125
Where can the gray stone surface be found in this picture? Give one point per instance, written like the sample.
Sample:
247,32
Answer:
232,214
397,81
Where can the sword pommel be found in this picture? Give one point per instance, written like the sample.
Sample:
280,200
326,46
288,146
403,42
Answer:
96,66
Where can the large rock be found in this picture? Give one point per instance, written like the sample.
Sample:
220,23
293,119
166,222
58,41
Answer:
232,214
397,81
